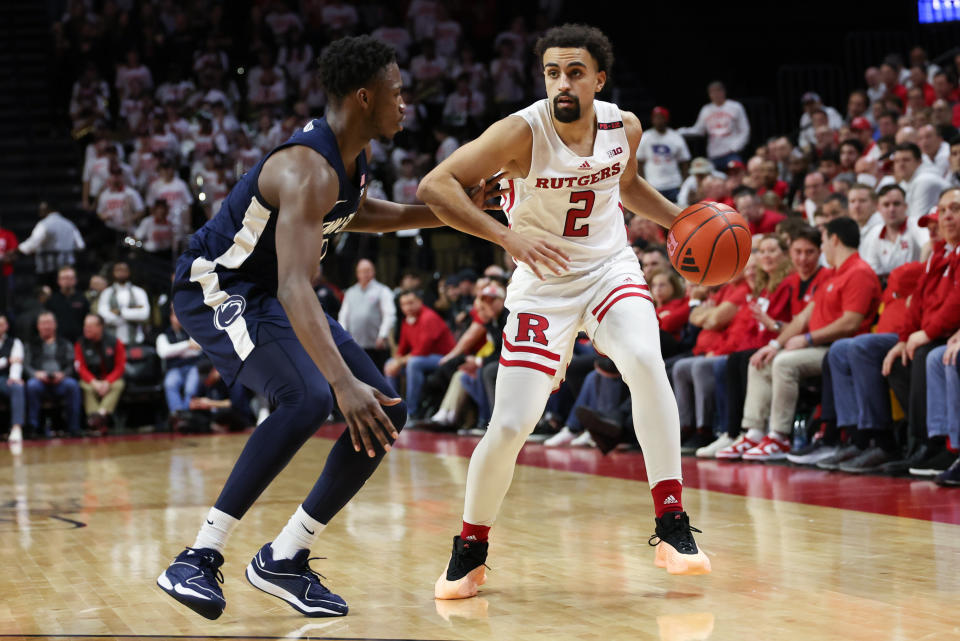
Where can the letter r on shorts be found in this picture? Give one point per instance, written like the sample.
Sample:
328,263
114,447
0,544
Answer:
531,327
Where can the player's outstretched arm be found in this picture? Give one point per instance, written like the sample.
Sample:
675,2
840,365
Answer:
384,216
304,187
507,144
635,192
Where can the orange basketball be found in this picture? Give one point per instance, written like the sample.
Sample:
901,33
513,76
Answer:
709,243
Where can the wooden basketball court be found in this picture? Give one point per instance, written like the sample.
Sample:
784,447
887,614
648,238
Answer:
86,527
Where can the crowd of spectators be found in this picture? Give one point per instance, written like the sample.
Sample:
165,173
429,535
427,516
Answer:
836,347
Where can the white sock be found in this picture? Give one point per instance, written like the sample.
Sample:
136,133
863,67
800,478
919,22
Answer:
755,435
300,533
215,530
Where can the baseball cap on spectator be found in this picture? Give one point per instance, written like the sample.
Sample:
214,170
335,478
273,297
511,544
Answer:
701,166
932,216
810,96
735,165
493,290
451,280
860,124
661,111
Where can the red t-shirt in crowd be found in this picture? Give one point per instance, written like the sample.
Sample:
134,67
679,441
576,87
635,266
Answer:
935,305
735,293
801,292
854,287
901,283
745,331
8,242
780,188
427,335
767,224
673,316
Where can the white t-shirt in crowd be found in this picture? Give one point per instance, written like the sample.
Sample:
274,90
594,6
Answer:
662,154
726,127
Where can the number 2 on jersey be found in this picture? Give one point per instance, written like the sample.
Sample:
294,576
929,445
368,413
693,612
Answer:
570,228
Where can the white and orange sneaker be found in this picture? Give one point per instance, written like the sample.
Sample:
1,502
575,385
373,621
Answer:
466,571
771,448
676,549
734,451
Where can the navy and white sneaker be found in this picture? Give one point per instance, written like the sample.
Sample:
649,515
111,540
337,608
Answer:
192,579
295,582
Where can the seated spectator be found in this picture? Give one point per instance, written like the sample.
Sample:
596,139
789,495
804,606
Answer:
761,221
692,386
464,106
769,180
100,361
155,231
943,407
921,183
672,307
68,305
476,357
936,151
603,392
48,364
170,187
119,205
180,355
424,339
700,169
841,307
859,366
11,380
862,207
215,406
815,191
54,240
898,241
124,307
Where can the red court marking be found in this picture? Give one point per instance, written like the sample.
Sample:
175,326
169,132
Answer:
906,497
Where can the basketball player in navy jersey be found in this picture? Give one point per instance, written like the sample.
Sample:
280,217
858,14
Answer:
242,290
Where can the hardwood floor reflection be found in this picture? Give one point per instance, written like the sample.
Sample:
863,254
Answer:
86,527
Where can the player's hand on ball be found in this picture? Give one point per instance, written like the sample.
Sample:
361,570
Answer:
361,407
532,251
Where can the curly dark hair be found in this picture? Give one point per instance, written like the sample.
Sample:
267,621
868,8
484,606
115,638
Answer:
350,63
582,36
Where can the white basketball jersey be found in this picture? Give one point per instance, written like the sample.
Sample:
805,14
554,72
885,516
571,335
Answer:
571,201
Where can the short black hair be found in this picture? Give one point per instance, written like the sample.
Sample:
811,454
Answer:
911,147
350,63
743,190
886,189
659,249
846,229
893,115
579,36
829,156
808,233
840,198
855,143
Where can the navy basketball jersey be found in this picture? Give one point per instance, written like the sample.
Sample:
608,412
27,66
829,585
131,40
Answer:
241,237
225,287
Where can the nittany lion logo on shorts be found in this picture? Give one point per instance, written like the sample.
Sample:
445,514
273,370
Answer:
229,311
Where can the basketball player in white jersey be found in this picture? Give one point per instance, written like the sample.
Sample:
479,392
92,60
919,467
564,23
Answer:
570,161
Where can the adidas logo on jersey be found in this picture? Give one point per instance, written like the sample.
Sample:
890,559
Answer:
670,500
585,165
